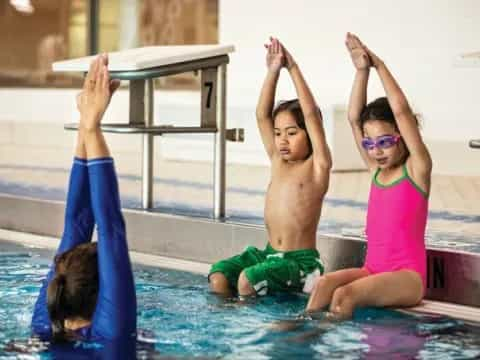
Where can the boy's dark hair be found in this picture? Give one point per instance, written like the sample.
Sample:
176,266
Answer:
73,291
293,106
379,109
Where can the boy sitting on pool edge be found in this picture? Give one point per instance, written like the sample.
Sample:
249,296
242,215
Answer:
294,139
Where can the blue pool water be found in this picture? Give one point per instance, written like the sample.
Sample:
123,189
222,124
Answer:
179,318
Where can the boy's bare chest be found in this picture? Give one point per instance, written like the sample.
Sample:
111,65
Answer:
293,186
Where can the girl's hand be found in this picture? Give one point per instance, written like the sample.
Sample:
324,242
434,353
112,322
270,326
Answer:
358,53
374,59
355,42
96,93
275,55
289,61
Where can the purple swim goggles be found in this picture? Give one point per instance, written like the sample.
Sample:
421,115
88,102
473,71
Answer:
382,142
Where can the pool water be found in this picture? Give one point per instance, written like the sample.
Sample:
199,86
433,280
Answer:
179,318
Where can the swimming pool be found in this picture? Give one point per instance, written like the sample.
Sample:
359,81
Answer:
178,317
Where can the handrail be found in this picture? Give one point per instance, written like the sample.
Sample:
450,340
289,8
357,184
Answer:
474,144
141,129
213,72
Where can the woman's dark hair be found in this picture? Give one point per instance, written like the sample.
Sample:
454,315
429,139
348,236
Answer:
293,106
379,109
73,291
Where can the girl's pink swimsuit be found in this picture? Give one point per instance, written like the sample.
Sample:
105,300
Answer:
396,220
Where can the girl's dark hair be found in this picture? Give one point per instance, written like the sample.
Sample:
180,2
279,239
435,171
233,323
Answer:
379,109
293,106
72,293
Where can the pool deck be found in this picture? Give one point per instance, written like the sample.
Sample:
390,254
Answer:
465,313
186,187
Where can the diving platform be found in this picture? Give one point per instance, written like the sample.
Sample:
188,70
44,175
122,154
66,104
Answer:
140,66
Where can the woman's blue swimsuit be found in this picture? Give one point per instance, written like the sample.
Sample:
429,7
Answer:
93,198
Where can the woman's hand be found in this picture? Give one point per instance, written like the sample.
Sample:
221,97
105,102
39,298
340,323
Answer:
96,93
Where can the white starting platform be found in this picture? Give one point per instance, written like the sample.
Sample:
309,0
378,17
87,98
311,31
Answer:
140,66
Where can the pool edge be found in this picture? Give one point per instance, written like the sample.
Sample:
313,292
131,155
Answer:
461,312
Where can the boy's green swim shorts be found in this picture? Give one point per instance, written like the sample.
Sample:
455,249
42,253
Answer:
270,270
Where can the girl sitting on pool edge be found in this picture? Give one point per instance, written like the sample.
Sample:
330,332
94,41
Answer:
89,292
389,141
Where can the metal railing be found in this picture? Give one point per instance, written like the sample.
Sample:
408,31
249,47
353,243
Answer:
212,119
474,144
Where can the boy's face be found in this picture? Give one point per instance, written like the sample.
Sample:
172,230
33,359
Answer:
386,157
290,140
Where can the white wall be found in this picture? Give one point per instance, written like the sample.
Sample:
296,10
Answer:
418,39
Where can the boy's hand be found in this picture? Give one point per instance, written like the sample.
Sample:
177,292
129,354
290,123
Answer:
357,51
275,55
96,94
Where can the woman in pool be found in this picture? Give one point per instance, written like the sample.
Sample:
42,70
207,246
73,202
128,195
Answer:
89,293
387,136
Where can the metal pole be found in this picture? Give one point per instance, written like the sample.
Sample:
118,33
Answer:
220,145
474,144
147,164
93,26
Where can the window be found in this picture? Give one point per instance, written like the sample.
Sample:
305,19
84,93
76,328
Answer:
38,32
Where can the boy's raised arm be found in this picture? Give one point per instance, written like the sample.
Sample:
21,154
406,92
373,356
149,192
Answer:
311,113
275,61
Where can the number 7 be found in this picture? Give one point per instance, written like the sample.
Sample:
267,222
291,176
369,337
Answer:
209,85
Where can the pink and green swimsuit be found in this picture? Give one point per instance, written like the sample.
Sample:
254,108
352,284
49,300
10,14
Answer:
396,220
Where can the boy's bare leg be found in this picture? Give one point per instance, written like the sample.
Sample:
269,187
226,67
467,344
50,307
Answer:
323,290
400,288
243,286
219,284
